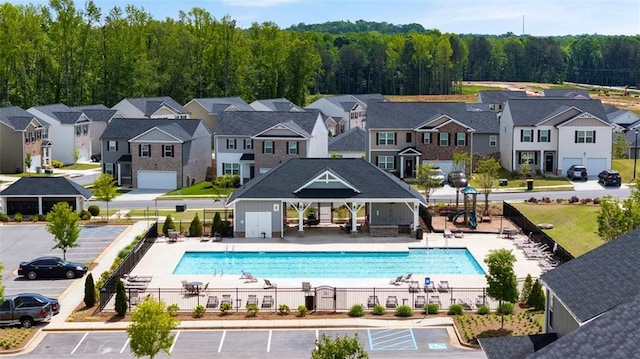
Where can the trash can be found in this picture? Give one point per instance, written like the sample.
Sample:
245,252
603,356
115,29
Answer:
181,207
503,181
529,185
308,302
419,233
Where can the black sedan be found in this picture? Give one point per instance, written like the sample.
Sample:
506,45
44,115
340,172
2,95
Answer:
38,298
51,267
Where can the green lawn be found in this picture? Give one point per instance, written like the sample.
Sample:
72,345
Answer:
574,225
625,167
202,189
82,166
474,89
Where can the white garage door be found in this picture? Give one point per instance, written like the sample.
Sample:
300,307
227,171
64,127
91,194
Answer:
445,166
568,162
158,179
257,224
596,165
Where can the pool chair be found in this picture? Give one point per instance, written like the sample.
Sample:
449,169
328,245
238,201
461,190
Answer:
212,301
434,299
466,303
443,286
267,301
420,302
407,278
269,285
252,300
245,275
430,288
414,287
392,301
137,278
372,301
250,279
481,300
226,298
397,281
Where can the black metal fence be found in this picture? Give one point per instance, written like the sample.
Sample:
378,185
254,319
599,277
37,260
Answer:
128,263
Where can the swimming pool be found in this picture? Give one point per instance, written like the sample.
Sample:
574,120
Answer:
432,261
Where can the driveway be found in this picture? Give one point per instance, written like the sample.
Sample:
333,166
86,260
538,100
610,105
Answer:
138,194
592,184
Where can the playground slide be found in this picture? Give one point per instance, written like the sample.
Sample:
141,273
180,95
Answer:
454,216
473,222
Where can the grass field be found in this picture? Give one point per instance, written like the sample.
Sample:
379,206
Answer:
202,189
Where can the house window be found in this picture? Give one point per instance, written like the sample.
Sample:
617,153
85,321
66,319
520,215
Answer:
528,157
544,135
33,136
112,146
167,150
181,116
267,147
145,150
85,129
26,137
386,162
408,137
292,147
231,168
526,135
550,319
78,130
461,139
386,138
493,141
426,138
585,136
45,133
108,168
248,144
231,143
443,139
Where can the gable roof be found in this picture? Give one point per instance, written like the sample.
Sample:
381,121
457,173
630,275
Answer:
353,140
149,105
515,347
499,96
46,186
532,110
97,113
568,93
17,118
370,97
59,112
370,181
216,105
128,128
250,123
275,104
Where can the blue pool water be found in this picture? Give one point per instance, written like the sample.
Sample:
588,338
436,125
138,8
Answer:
432,261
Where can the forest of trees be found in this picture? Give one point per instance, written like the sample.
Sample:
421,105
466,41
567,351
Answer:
77,56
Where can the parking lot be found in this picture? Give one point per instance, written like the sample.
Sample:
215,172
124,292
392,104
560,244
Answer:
25,242
286,343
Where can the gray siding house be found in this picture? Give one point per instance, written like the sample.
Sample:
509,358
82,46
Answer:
22,134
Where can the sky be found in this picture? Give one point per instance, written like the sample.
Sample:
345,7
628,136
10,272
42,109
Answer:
491,17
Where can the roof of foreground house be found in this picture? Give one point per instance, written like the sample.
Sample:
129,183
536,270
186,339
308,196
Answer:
250,123
351,141
46,186
127,128
532,110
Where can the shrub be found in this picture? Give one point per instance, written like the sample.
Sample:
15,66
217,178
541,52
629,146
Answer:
89,291
168,225
404,311
574,199
34,218
18,217
57,164
85,215
483,310
506,308
195,228
198,311
536,298
596,200
356,310
526,289
173,310
432,308
94,210
283,309
225,307
216,226
455,309
302,310
4,217
379,310
227,181
42,217
121,299
252,310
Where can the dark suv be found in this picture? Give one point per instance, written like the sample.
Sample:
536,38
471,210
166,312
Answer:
577,172
457,179
609,178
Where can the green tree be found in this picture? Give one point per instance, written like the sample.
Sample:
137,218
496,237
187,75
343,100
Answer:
617,217
341,347
461,161
104,189
425,178
195,228
150,329
121,299
27,162
620,146
526,289
216,226
503,285
168,225
76,154
64,225
89,291
525,169
536,298
488,169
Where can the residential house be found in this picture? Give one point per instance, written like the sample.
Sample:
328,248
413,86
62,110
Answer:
348,111
38,195
577,94
276,104
156,153
151,107
620,117
351,144
402,135
69,132
21,135
99,115
208,109
496,99
551,134
252,142
592,307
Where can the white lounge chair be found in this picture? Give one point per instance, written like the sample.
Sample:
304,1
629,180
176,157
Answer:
269,285
443,286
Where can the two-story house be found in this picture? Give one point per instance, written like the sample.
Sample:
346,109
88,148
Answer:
156,153
23,134
551,134
151,107
348,111
208,109
496,99
99,115
252,142
69,131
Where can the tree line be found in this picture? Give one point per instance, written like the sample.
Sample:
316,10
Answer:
78,56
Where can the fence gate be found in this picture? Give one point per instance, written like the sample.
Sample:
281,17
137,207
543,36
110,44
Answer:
325,298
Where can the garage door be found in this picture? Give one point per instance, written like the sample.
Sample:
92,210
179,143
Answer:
568,162
596,165
158,179
445,166
258,224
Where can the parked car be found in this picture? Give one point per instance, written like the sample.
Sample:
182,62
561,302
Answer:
577,172
51,267
39,298
21,310
96,157
436,174
609,178
457,179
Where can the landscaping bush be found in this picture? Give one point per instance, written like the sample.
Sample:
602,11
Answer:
574,199
227,181
455,309
18,217
198,311
506,308
432,308
356,310
302,310
404,311
94,210
252,310
4,217
121,299
379,310
225,307
57,164
89,291
85,215
173,310
168,225
195,228
536,298
216,226
42,217
283,309
34,218
483,310
526,289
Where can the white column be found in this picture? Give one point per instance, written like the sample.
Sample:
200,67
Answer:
40,205
300,209
402,174
354,218
416,216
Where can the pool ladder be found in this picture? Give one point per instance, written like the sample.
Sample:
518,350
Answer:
233,249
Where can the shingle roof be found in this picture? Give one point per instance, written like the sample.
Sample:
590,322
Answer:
370,97
219,104
60,112
68,118
276,104
499,96
45,186
16,117
149,105
516,347
97,113
568,93
127,128
352,141
249,123
530,111
282,181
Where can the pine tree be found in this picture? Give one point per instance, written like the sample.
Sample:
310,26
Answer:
536,297
195,228
168,225
89,291
121,299
526,289
216,227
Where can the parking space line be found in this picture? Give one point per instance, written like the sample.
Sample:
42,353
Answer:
224,333
393,339
370,339
126,343
175,340
269,342
80,342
